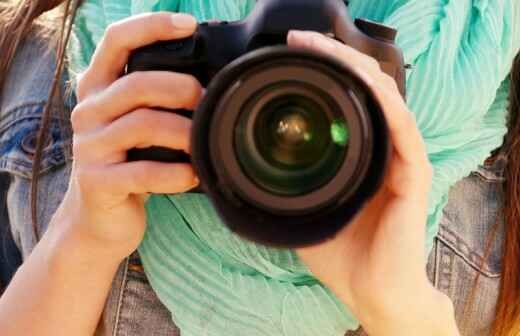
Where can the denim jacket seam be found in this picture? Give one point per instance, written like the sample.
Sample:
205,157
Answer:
493,172
435,261
445,267
452,245
22,111
12,165
116,329
486,179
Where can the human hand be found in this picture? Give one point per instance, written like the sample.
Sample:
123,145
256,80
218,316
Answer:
376,264
103,209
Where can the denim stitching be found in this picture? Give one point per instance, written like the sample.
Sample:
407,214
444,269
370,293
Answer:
494,172
457,245
120,299
28,110
487,179
19,112
445,269
52,160
434,262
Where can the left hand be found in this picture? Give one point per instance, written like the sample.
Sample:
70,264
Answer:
376,264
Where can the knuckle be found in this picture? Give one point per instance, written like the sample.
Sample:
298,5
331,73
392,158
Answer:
113,33
77,116
81,85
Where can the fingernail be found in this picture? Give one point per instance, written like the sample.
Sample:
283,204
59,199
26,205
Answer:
183,21
297,34
299,38
195,183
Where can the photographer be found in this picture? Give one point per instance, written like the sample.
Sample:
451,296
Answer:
94,211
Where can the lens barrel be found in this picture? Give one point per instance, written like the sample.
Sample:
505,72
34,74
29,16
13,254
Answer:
290,145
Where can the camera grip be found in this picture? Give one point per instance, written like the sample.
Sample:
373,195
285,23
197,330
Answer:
161,154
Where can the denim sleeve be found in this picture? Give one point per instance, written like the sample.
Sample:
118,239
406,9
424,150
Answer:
24,98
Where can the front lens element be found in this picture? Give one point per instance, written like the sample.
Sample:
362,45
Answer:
291,143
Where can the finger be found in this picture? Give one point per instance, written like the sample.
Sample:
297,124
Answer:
405,135
123,37
139,177
142,128
403,129
321,43
410,172
140,89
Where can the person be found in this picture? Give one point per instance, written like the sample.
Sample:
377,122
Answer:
93,214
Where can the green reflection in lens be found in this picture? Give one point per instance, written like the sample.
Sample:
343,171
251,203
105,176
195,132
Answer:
339,133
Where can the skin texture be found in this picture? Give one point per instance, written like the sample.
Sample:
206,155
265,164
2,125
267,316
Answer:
102,218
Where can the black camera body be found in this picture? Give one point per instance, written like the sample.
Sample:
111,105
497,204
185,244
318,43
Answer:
289,144
216,44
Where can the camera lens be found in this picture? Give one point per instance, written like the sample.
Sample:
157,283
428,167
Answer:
290,139
290,144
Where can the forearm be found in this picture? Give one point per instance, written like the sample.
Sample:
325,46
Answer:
60,290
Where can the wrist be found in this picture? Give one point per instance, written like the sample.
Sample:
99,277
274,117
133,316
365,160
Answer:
422,312
65,248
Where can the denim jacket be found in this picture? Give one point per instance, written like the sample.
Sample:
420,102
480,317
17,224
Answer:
132,308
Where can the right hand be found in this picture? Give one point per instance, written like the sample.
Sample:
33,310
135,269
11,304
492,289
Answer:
103,208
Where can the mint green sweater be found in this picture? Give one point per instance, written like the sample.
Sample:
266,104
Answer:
215,283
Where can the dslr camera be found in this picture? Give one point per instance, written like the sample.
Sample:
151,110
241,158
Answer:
289,144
